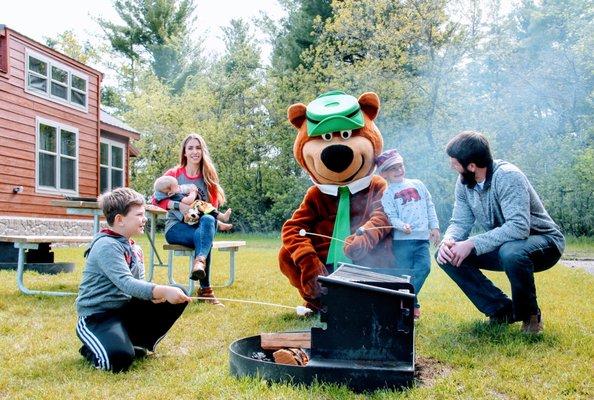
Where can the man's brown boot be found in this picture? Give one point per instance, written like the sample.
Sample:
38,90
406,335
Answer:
533,324
198,271
207,292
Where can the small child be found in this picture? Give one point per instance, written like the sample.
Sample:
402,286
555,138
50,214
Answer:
167,187
120,315
408,205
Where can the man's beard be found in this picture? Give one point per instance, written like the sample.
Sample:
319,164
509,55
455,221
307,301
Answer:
468,178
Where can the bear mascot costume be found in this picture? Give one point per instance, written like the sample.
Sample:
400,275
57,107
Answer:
337,143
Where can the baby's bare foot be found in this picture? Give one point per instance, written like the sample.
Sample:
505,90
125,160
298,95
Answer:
225,216
224,227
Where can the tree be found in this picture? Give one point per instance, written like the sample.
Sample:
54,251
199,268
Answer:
404,51
297,31
525,79
529,86
155,34
244,151
67,43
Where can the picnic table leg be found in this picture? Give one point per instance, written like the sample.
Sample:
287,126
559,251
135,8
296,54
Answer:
21,269
231,279
170,279
153,250
190,282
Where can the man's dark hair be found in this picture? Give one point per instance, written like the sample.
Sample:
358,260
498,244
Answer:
470,147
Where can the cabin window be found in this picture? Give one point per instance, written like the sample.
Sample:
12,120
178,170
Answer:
111,160
59,83
49,78
57,158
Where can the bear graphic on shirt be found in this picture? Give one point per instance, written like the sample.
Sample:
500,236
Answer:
408,194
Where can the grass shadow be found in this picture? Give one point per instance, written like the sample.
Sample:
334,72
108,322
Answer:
477,337
504,333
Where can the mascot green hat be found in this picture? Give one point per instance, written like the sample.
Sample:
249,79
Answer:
333,112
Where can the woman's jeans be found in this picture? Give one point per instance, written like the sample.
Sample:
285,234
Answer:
520,259
198,236
413,259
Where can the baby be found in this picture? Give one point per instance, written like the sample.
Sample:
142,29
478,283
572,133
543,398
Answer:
168,187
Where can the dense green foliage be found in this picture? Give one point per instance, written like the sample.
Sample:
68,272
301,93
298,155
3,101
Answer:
525,78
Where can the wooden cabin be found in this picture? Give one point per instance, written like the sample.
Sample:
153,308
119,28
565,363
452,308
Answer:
55,140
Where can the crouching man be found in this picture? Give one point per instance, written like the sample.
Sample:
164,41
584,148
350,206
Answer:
520,237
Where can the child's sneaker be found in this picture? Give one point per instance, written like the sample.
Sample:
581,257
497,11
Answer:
417,313
140,352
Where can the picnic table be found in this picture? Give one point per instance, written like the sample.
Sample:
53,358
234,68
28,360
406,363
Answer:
153,213
81,207
25,242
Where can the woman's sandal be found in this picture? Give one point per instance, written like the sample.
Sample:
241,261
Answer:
198,271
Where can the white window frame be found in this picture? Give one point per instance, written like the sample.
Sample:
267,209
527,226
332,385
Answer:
47,94
49,189
112,143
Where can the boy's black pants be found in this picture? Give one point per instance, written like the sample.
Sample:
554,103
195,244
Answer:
109,337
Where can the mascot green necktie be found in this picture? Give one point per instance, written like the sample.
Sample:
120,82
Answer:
342,228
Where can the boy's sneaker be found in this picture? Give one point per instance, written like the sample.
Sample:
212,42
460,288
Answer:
505,315
533,324
86,352
140,352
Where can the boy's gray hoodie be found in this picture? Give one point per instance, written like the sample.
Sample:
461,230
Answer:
113,274
507,208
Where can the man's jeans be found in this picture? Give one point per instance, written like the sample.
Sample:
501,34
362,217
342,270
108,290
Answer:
199,237
413,259
519,259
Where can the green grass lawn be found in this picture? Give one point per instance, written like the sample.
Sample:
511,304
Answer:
39,349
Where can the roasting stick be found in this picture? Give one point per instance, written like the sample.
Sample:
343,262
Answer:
300,310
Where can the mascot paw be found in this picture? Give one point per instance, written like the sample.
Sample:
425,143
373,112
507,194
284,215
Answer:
312,288
311,267
356,247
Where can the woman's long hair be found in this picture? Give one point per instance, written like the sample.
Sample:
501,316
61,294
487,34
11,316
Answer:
209,172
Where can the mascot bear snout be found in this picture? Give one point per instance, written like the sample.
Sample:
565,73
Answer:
337,157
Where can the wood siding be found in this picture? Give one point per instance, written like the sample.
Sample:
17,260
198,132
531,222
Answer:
18,113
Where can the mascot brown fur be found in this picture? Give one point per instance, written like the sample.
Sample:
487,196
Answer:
303,258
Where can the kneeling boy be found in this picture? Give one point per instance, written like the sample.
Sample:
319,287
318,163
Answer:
120,315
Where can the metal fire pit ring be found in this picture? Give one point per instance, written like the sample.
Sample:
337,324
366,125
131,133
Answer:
366,341
358,376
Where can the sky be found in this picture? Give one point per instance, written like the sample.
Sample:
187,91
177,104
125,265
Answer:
38,19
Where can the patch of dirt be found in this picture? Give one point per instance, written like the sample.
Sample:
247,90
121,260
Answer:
428,370
587,264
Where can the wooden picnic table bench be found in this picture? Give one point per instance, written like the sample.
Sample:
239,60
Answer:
25,242
232,246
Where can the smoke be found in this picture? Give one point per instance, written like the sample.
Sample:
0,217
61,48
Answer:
520,73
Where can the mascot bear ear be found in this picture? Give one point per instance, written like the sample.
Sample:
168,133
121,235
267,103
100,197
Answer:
370,104
296,114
